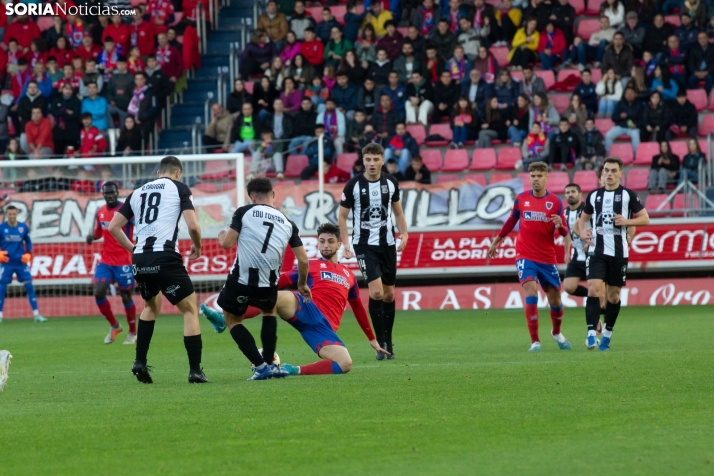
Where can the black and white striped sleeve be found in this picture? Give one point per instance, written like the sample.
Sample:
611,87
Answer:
185,196
126,209
634,202
295,240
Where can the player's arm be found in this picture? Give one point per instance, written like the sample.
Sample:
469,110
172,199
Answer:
27,256
97,233
362,317
288,279
303,263
194,231
560,223
507,227
642,218
582,229
116,230
401,221
567,243
342,223
631,231
229,237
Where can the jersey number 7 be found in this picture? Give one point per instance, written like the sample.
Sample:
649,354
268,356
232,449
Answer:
152,212
267,235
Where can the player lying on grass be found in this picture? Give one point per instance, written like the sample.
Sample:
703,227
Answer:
541,215
332,285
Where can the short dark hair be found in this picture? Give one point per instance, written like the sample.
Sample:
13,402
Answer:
108,39
613,160
586,70
563,119
310,29
142,74
330,229
574,185
10,207
682,92
373,149
86,115
170,164
259,186
110,184
539,166
599,171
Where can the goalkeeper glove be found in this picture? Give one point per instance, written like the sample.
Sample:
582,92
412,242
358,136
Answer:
26,258
3,257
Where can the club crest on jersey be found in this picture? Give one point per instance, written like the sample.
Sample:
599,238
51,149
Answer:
375,193
335,278
125,268
618,198
385,189
548,205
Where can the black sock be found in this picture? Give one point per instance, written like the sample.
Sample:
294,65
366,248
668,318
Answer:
194,346
389,311
144,332
246,344
376,312
592,312
581,291
269,337
611,313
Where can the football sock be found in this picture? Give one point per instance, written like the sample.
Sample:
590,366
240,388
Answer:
131,316
31,295
556,317
376,312
531,311
592,312
143,339
269,337
389,312
246,344
581,291
3,290
193,345
106,309
611,313
323,367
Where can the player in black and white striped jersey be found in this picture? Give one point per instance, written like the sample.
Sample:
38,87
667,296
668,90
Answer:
157,264
373,198
613,209
262,233
574,254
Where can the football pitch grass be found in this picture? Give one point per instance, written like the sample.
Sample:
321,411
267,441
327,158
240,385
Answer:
462,397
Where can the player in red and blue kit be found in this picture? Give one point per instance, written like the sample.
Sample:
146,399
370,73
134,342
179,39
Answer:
541,215
15,254
333,286
114,266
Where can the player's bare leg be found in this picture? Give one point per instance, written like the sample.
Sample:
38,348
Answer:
100,297
376,312
127,300
145,332
556,317
592,311
389,313
530,288
612,310
192,338
572,286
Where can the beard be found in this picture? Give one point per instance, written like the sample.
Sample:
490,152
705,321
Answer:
327,255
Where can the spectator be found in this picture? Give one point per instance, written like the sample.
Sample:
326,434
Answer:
417,172
246,130
135,63
161,15
697,11
277,72
290,49
68,77
159,82
237,98
93,27
366,47
425,17
674,58
639,83
56,31
397,93
618,57
368,137
507,20
434,65
416,39
391,41
506,90
468,38
334,174
476,90
291,97
62,53
576,113
544,112
40,76
593,148
97,106
130,140
531,84
536,147
627,115
335,124
378,17
701,64
218,131
171,59
345,96
5,103
274,23
687,32
337,47
92,142
367,98
379,70
351,66
304,123
143,106
691,162
563,16
264,94
614,11
82,184
656,36
525,45
14,151
483,16
683,118
564,146
353,21
654,120
420,103
329,77
645,9
355,130
281,125
53,72
459,66
38,133
385,119
66,108
88,49
323,30
401,147
300,20
266,157
24,31
664,169
91,75
633,33
663,84
301,71
519,124
317,92
37,53
486,63
609,90
119,91
446,93
312,152
551,46
454,13
32,99
539,10
586,91
493,124
312,48
594,49
393,170
464,123
443,41
119,32
141,34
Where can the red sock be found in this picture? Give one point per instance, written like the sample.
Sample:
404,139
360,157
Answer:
106,309
531,311
131,316
556,316
323,367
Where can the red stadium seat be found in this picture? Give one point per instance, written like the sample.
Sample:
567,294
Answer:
447,178
604,124
432,159
707,125
456,160
346,161
623,151
501,55
508,157
338,11
594,7
698,97
478,178
249,86
404,30
564,74
444,130
207,187
560,101
557,181
587,179
596,74
579,6
525,178
645,152
295,165
517,76
316,13
679,148
216,170
483,159
680,204
418,133
588,26
655,200
44,23
500,177
637,178
673,20
711,101
547,76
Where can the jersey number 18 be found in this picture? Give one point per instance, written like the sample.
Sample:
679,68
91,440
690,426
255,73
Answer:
150,213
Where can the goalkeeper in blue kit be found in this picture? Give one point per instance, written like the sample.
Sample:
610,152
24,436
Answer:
15,255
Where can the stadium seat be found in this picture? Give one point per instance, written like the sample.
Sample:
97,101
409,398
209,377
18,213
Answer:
593,8
587,180
508,157
404,30
177,18
447,178
637,178
315,13
338,11
295,165
679,148
623,151
645,152
418,133
517,76
215,170
603,124
432,159
698,97
707,125
249,86
673,20
655,200
483,159
560,101
547,76
564,74
207,187
596,74
44,23
478,178
501,55
525,178
346,161
579,6
444,130
283,183
557,181
588,26
455,160
680,204
500,177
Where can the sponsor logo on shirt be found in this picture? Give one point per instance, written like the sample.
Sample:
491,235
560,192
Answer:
535,216
335,278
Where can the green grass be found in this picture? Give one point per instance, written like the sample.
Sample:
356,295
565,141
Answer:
463,397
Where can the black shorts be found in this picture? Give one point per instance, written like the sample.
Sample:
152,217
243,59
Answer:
377,262
235,297
610,269
576,269
163,272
